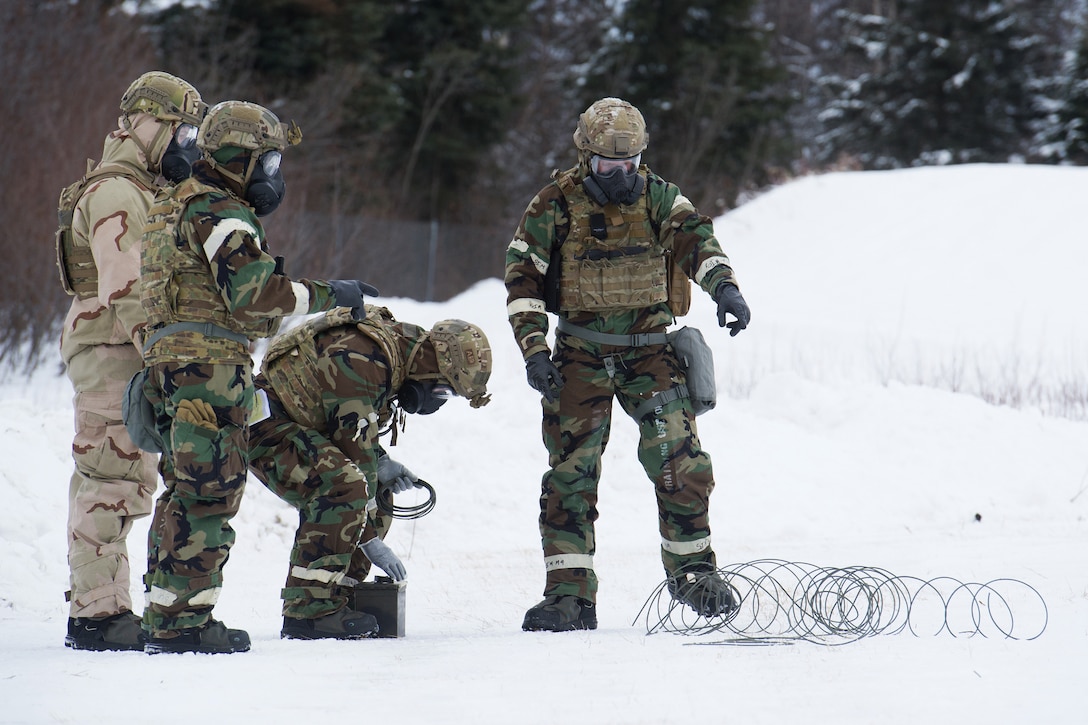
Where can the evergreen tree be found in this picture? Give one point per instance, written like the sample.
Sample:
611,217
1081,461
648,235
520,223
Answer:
700,72
1068,137
451,67
943,82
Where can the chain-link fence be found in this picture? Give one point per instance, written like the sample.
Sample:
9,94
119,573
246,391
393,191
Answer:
422,260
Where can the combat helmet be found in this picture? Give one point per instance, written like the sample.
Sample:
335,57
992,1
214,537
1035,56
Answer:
613,128
464,359
243,125
165,97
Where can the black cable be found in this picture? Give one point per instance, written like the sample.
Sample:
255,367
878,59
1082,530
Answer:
387,505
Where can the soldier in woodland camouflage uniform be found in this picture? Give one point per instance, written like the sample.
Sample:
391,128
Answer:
114,482
209,288
330,386
622,243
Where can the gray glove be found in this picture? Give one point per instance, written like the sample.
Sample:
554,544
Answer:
394,476
383,557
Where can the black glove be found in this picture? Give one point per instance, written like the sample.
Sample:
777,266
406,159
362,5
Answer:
730,301
543,375
349,293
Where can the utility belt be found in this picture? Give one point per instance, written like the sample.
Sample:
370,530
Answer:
695,357
208,329
641,339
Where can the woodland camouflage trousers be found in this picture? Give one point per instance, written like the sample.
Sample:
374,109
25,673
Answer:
113,483
576,429
204,469
307,470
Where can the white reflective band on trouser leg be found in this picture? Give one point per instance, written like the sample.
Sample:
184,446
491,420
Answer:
317,575
164,598
568,561
206,598
684,548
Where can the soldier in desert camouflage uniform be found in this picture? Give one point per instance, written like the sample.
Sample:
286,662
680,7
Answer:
330,387
622,243
209,288
114,482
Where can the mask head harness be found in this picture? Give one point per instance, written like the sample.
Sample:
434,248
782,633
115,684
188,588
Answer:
234,127
610,138
179,109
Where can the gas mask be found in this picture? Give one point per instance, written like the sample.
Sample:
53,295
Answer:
180,155
614,181
266,187
423,398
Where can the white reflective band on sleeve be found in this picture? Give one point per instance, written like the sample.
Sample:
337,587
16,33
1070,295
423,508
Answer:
317,575
540,264
681,201
685,548
708,265
223,229
206,598
161,596
518,245
525,304
302,299
568,561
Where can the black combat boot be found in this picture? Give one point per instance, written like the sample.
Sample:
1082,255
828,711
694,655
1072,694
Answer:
342,624
704,590
213,638
117,632
560,614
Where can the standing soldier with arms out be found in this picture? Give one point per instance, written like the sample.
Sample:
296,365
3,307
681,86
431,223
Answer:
209,288
99,257
332,385
609,247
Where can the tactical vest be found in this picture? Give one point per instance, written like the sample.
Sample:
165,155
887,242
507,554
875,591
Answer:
612,258
290,364
177,283
75,262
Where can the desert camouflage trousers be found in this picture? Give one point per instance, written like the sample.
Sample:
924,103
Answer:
203,467
308,471
113,483
575,430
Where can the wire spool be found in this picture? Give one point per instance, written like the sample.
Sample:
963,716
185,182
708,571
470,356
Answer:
783,602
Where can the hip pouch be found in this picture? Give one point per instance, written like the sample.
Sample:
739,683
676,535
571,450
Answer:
138,414
698,362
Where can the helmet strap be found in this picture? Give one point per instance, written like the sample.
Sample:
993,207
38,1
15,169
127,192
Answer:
164,130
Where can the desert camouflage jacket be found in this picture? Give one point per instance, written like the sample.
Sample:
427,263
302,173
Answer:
109,218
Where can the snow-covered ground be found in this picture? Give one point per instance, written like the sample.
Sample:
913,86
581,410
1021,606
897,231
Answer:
851,431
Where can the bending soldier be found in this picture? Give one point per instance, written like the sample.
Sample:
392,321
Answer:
209,288
330,387
609,247
114,482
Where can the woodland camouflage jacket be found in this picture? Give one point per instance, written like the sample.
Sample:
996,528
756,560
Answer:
546,222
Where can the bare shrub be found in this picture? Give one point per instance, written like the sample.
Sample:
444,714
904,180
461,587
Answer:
63,68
